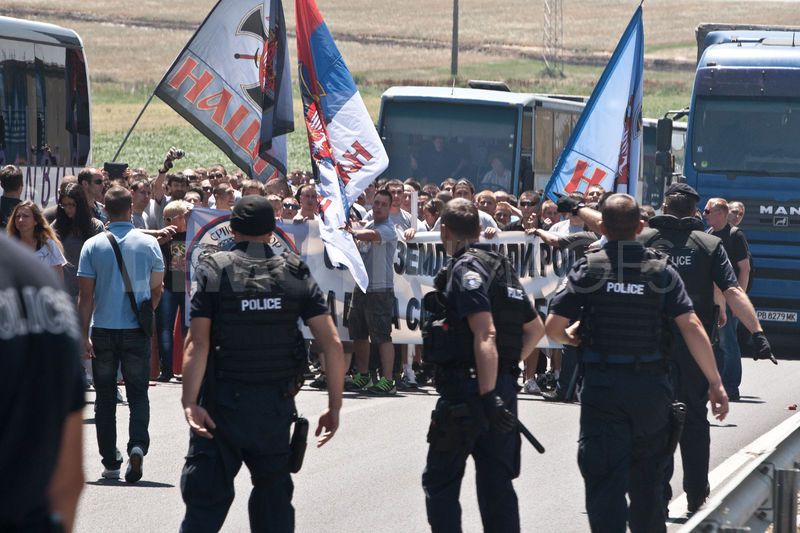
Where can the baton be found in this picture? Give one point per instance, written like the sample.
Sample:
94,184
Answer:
528,435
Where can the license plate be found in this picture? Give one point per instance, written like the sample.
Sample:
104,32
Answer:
777,316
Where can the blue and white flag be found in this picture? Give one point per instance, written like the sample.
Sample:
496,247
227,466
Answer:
344,145
605,146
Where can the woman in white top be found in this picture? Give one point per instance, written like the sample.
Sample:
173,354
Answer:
29,226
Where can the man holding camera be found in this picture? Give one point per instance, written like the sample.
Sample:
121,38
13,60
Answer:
120,269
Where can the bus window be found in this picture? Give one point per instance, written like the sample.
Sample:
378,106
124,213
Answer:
44,105
562,127
543,151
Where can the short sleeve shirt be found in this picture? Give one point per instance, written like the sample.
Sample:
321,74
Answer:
378,257
735,244
572,295
51,255
142,256
209,280
468,288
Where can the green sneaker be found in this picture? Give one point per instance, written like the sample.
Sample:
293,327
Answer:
358,382
383,387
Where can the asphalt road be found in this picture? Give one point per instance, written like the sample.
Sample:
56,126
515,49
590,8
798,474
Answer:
367,479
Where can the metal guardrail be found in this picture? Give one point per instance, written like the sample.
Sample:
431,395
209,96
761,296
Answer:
762,492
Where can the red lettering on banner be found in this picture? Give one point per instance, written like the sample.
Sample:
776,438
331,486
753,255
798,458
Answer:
246,139
218,102
236,120
579,177
199,82
324,205
352,163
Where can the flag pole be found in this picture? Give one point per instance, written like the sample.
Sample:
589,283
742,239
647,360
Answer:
152,94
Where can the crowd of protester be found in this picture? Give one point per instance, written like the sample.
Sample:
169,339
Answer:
162,201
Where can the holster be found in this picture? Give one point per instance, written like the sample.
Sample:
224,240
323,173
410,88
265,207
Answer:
677,419
453,428
298,444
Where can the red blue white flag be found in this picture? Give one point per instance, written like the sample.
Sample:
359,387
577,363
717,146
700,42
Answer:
344,145
605,146
232,82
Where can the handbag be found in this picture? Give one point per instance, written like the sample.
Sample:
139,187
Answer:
144,314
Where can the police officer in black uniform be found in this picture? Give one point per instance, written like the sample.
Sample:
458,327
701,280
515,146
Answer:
702,263
243,349
624,295
484,325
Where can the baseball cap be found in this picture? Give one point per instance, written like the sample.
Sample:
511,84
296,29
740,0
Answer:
682,188
253,216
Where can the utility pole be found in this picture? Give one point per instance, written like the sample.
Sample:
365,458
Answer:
553,37
454,51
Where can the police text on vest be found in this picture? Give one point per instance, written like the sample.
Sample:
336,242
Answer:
261,304
625,288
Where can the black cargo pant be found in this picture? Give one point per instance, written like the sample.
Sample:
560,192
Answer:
691,388
496,456
625,415
253,423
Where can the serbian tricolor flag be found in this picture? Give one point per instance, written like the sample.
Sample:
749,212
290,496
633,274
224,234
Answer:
605,146
345,148
232,82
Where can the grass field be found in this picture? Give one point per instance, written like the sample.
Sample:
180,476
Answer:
129,45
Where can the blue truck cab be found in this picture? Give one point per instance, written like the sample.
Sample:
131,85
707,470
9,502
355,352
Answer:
743,144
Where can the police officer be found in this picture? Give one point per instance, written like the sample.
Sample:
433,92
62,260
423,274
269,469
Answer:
488,325
624,294
242,347
702,263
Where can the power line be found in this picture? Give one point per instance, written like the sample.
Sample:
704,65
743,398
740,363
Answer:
553,37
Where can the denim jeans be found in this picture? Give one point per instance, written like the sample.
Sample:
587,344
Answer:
729,356
131,349
166,312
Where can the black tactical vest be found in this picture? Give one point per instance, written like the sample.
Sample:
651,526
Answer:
624,313
691,250
255,336
449,341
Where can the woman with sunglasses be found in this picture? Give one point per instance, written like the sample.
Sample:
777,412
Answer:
27,224
74,225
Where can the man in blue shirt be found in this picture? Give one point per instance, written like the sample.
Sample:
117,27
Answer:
116,336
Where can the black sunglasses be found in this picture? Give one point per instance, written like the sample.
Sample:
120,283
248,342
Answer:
98,182
527,203
290,206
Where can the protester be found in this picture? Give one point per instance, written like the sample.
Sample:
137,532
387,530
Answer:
11,182
27,224
486,202
729,355
549,215
74,225
527,204
177,185
572,224
253,187
277,205
174,295
371,312
223,197
92,181
117,336
194,196
431,212
308,200
735,213
289,209
42,398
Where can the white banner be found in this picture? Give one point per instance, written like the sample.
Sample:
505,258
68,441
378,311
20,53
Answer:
539,266
40,184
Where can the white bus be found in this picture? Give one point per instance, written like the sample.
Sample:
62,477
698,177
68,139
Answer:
45,119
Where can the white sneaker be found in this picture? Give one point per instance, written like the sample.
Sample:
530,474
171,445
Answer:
532,388
110,473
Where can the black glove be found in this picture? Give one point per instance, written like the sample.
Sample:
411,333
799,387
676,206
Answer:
566,204
761,347
499,417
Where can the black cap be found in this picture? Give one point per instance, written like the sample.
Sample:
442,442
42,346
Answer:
253,215
682,188
115,170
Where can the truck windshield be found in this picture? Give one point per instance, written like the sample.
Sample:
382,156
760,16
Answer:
746,135
432,141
